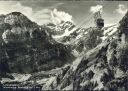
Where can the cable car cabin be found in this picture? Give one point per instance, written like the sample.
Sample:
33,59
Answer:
100,23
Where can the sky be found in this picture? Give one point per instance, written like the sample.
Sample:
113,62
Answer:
43,12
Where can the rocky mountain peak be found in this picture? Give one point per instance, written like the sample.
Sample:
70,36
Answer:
17,19
27,43
99,65
16,13
123,27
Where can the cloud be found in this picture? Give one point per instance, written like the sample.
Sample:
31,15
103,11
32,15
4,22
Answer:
96,8
122,9
56,5
58,16
40,17
8,7
43,16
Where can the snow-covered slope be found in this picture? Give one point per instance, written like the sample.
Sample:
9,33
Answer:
100,62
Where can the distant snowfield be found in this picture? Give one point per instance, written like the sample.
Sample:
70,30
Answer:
17,78
109,31
44,80
66,33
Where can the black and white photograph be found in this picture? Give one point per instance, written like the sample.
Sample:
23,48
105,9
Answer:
61,45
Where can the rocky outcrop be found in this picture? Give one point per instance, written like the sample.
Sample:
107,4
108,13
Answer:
28,47
103,68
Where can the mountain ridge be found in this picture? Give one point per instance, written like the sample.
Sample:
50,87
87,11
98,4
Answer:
104,66
23,39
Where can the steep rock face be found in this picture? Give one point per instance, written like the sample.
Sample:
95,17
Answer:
27,47
124,25
79,38
103,68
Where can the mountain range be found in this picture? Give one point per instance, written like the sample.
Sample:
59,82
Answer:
63,57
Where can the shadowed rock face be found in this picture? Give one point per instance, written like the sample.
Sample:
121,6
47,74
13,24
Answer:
124,25
26,47
103,68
